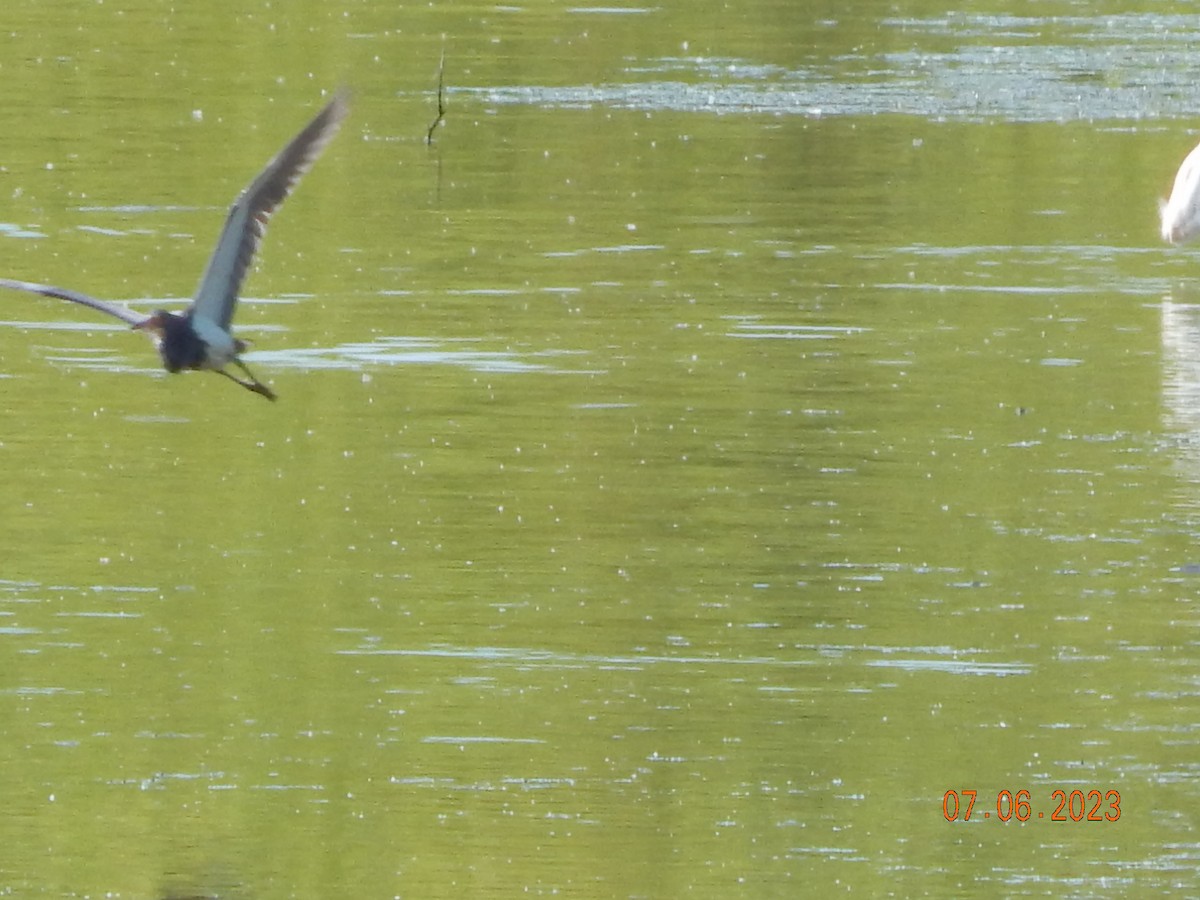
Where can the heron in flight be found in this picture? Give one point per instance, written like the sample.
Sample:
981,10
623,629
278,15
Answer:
200,336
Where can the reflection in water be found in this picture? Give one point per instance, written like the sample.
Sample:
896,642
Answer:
204,888
1181,386
1181,365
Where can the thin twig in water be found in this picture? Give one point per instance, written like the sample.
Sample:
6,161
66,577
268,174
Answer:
441,99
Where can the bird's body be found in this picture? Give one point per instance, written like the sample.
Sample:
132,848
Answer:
1181,212
201,337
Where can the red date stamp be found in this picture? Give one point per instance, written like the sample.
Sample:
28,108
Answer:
1068,806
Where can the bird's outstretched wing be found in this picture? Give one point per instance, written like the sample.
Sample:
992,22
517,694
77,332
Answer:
247,220
124,313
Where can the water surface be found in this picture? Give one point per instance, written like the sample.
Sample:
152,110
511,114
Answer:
736,430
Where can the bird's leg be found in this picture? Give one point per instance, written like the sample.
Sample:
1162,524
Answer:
258,387
252,385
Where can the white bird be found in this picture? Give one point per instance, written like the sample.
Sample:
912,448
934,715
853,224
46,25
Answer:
1181,213
200,336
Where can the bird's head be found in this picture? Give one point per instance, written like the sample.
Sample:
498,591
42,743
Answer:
156,323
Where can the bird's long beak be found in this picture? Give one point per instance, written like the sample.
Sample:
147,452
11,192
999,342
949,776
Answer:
152,328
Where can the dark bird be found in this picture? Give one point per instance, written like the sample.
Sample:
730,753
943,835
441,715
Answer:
200,336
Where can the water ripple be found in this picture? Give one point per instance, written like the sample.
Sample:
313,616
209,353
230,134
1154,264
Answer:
968,67
390,351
